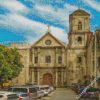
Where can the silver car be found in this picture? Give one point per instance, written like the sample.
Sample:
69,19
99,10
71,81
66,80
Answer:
29,92
44,88
4,95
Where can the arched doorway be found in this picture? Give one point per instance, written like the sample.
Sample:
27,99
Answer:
47,79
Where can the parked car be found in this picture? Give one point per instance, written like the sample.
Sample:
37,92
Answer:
40,93
44,88
47,88
25,92
51,88
5,95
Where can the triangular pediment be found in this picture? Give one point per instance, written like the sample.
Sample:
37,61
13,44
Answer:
48,40
80,12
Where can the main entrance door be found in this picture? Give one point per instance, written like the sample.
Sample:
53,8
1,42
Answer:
47,79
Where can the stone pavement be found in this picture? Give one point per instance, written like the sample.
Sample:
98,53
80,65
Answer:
61,94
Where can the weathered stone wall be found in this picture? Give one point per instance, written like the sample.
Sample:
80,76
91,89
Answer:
24,51
74,23
53,52
76,70
70,70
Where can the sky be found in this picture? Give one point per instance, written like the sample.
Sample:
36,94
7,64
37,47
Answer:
28,20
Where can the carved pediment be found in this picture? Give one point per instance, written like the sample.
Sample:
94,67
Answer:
48,40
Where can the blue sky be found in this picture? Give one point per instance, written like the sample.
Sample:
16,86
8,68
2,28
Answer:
27,20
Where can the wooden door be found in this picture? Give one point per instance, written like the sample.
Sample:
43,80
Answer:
47,79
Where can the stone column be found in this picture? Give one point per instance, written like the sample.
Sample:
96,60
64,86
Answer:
35,76
32,76
39,57
38,77
26,66
63,55
33,56
62,76
84,64
56,56
56,78
63,63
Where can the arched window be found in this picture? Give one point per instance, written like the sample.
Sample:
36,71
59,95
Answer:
79,59
79,25
79,39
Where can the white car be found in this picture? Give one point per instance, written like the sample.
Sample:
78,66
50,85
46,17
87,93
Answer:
40,93
51,88
44,88
25,92
4,95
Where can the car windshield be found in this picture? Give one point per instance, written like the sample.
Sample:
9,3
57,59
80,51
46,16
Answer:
32,90
43,88
1,96
37,88
20,90
46,87
12,96
9,89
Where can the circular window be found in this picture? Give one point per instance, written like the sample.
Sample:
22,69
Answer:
48,42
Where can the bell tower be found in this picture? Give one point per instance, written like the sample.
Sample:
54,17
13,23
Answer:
79,21
78,28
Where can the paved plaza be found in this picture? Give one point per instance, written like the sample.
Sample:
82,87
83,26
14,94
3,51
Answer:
61,94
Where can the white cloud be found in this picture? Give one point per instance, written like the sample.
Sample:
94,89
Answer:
59,33
13,6
31,29
69,7
59,16
93,3
50,14
27,28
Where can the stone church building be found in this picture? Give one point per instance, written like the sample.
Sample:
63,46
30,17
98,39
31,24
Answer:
50,61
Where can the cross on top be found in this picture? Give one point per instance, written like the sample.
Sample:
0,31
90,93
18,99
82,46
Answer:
48,28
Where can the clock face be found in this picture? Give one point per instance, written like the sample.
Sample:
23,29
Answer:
48,42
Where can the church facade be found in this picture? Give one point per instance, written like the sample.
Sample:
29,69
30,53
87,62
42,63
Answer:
50,61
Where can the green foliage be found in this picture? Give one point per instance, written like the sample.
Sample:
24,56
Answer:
10,65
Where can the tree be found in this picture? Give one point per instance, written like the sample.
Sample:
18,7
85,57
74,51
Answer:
10,64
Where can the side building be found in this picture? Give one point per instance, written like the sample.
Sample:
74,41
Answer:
93,56
97,51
